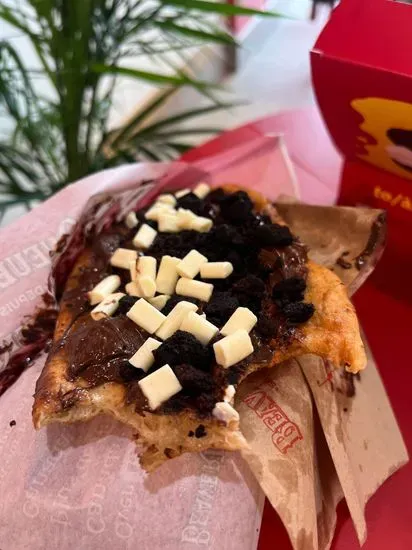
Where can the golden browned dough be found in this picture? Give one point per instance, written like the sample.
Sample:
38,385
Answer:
332,332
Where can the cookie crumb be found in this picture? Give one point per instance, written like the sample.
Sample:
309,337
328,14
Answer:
298,312
343,263
200,431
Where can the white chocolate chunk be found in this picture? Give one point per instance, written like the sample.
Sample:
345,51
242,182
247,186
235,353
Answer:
195,289
190,265
158,208
167,275
131,220
146,286
122,258
107,307
160,386
181,193
153,213
225,412
144,358
216,270
201,329
201,190
201,224
144,237
133,270
146,265
107,286
233,348
241,318
185,218
168,223
160,301
133,289
174,319
166,198
229,393
146,316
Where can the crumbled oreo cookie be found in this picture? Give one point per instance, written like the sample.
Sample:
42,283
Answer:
205,403
174,244
183,347
217,196
238,262
191,202
250,291
271,235
235,373
250,286
228,234
193,381
202,403
267,327
237,208
262,219
289,290
298,312
206,244
125,303
221,307
175,299
200,431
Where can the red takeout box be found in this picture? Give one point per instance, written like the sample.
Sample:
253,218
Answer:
362,75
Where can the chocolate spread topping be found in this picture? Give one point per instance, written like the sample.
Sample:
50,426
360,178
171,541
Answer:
98,351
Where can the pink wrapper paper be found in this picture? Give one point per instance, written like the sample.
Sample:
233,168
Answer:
80,485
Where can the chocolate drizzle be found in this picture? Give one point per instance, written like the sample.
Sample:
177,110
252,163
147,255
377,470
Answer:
373,241
344,264
36,337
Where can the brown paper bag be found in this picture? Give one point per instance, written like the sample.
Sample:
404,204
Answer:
304,466
288,454
278,432
361,432
348,240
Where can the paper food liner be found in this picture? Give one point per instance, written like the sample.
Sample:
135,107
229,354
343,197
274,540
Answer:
304,470
81,484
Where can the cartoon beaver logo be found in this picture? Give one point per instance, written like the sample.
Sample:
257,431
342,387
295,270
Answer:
388,125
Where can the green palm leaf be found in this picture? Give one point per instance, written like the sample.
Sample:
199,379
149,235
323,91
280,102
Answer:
184,116
217,36
153,78
83,48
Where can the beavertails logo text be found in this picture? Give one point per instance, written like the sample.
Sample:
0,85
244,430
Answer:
285,432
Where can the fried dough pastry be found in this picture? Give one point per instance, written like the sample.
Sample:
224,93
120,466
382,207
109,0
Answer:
301,307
